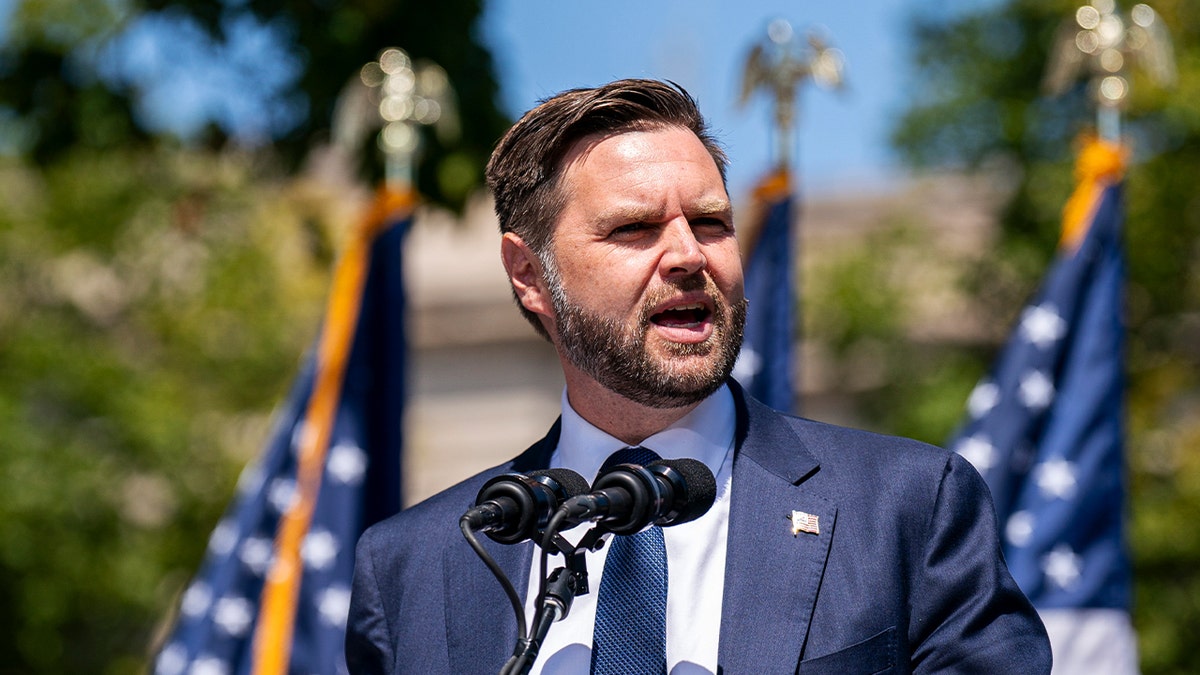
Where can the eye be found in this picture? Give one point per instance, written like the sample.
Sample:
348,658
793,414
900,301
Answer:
628,230
712,226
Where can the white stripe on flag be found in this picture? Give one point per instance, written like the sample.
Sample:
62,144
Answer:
1091,641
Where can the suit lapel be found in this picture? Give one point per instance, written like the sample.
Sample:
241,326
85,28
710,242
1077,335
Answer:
481,630
771,575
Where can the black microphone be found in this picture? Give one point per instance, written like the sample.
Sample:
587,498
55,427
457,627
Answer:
629,497
513,507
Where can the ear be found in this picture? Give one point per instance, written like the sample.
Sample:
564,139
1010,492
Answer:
525,274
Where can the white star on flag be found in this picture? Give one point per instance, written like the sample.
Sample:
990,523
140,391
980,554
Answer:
1019,528
301,434
1042,326
256,553
251,480
347,463
171,661
334,605
223,539
1055,478
209,665
978,450
1062,566
319,550
1036,390
233,615
282,494
983,398
748,364
196,600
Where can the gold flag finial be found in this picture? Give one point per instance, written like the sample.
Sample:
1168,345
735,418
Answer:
780,65
1099,42
396,96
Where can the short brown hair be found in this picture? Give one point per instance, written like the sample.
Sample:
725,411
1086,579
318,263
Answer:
524,170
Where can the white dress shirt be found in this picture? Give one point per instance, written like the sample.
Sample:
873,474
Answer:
695,550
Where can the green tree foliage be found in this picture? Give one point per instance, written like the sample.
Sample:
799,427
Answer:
977,104
50,98
143,295
70,75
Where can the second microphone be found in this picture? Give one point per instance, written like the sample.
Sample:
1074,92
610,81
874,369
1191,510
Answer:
627,498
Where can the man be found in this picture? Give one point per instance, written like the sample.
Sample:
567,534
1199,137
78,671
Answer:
828,550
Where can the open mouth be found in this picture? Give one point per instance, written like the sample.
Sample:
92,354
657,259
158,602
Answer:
690,315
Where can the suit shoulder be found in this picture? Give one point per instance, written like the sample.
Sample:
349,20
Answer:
879,463
830,445
835,443
429,517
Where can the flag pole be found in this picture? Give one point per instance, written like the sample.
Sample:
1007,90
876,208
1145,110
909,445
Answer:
1046,426
780,66
408,97
275,628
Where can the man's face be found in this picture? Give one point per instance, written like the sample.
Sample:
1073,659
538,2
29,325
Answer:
644,270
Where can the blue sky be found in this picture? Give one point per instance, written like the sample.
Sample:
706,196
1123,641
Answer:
544,46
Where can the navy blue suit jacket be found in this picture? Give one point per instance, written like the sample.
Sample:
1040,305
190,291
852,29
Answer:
905,575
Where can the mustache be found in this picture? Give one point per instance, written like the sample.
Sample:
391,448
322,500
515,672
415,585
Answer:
695,282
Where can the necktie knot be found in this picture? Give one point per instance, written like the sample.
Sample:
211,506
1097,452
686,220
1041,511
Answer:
638,455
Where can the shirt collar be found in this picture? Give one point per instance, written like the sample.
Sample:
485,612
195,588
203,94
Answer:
705,434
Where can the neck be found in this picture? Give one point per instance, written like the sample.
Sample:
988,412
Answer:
626,420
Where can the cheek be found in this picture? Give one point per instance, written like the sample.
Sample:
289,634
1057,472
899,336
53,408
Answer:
592,287
604,281
725,266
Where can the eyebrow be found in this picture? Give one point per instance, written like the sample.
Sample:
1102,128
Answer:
709,207
702,208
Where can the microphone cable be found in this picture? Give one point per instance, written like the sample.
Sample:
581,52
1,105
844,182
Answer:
522,660
509,591
517,505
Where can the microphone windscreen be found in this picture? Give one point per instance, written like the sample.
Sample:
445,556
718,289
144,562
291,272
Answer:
701,488
572,483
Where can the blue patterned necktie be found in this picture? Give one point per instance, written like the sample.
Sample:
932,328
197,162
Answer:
630,636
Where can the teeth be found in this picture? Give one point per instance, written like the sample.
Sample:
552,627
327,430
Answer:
694,305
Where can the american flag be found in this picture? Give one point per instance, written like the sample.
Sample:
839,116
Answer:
1045,429
273,592
764,367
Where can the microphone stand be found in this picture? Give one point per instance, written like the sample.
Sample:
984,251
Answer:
561,590
557,593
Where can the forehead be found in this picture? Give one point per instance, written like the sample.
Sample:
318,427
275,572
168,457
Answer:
649,171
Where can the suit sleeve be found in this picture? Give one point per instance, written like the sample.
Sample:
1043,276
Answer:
368,644
969,616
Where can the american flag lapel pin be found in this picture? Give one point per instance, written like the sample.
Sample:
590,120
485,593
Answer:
804,522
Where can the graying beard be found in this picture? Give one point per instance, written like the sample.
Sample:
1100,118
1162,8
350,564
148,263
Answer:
620,365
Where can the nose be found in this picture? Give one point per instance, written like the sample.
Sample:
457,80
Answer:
682,254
